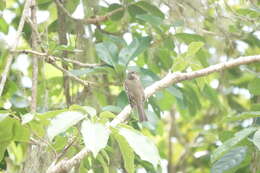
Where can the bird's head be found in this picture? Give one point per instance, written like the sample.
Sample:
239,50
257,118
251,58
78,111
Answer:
132,75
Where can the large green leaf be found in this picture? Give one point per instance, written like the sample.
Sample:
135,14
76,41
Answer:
142,145
119,14
103,163
153,20
21,133
256,139
137,46
2,7
6,132
3,146
254,86
4,27
230,143
251,12
107,51
71,5
193,48
95,136
62,122
231,161
127,152
150,8
211,94
135,10
188,38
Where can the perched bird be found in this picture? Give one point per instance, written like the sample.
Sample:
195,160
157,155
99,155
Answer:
135,93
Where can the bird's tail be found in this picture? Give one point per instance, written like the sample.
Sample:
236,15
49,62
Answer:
141,113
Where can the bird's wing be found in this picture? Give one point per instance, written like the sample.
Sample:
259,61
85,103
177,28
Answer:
130,95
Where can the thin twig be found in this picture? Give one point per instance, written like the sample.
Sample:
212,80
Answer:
80,64
55,58
15,44
83,82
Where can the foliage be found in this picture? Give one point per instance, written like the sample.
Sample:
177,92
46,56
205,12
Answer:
205,124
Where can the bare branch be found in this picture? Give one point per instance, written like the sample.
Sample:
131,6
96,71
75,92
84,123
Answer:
55,58
16,42
168,80
69,74
80,64
65,165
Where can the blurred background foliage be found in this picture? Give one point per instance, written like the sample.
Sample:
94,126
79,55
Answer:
207,124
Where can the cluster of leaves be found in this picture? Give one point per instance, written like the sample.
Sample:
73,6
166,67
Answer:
60,125
206,115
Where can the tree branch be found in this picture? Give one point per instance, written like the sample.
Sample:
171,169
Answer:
173,78
34,45
16,42
51,60
62,34
168,80
56,58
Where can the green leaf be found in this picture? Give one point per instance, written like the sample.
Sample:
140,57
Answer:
135,10
59,143
3,146
137,46
4,27
118,15
103,163
188,38
50,114
243,116
254,86
193,48
40,2
153,20
231,161
230,143
211,94
152,9
84,109
62,122
256,139
6,132
112,108
127,153
16,150
95,136
142,145
107,51
165,100
71,5
251,12
21,133
2,7
107,114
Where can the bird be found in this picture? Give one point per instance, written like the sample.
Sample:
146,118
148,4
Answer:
135,93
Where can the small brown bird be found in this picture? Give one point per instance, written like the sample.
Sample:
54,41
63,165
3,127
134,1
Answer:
135,93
